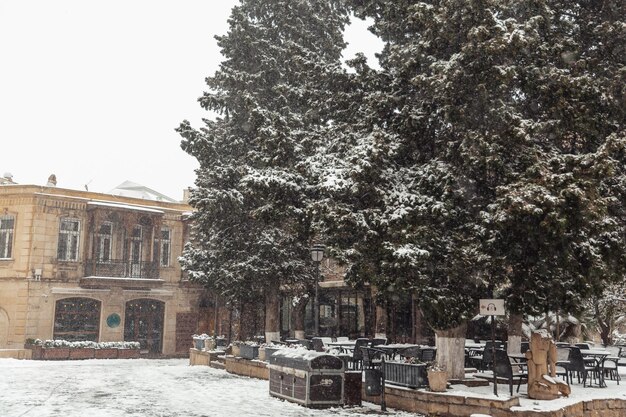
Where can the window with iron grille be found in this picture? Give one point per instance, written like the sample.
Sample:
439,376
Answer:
6,236
69,238
104,242
164,247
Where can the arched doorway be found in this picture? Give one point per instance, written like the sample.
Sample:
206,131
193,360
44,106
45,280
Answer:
143,323
4,329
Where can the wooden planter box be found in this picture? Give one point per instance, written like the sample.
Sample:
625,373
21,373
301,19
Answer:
248,352
127,353
106,353
82,353
55,353
406,374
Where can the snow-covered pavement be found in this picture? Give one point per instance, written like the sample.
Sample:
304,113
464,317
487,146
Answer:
140,388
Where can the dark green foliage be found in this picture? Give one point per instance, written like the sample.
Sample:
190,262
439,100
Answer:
252,221
486,157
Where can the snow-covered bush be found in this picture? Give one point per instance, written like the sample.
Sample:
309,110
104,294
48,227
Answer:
86,344
202,336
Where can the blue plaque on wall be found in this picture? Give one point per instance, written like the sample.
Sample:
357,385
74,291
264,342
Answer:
114,320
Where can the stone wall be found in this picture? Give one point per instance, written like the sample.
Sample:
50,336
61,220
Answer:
447,405
245,367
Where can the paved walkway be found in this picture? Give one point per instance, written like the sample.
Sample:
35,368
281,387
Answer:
142,388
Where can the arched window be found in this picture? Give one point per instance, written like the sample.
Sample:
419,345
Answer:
77,319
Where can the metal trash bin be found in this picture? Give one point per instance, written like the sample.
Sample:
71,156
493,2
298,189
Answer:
373,382
313,379
352,388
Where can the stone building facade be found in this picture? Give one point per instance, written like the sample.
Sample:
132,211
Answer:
79,265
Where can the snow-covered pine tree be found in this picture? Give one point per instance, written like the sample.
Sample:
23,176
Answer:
251,230
494,138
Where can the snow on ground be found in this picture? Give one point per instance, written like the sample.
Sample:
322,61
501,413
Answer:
579,393
140,388
172,388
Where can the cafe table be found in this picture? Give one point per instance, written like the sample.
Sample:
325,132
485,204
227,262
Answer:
344,345
598,356
392,349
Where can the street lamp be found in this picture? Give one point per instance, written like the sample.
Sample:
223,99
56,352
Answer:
317,253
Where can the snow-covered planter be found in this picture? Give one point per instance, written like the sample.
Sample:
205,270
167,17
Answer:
266,350
62,349
249,350
437,379
235,347
129,353
199,340
128,350
106,353
82,353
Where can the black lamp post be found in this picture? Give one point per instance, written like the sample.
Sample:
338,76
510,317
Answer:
317,253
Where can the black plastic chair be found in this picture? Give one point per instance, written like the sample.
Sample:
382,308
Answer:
611,364
578,364
317,344
372,358
428,354
410,352
563,367
486,361
524,347
503,369
357,354
377,342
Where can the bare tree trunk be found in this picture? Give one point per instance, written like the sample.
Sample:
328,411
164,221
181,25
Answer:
381,322
514,330
298,312
450,345
605,327
380,318
272,313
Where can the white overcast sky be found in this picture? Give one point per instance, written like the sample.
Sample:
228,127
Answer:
93,90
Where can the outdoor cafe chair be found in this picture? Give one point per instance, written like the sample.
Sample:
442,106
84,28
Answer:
372,357
563,364
474,358
524,347
611,364
580,366
503,369
317,344
486,359
357,354
377,342
428,354
410,352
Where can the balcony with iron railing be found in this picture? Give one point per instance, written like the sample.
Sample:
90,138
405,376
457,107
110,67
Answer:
125,273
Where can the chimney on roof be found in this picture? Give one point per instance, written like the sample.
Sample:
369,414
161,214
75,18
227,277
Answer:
186,193
52,181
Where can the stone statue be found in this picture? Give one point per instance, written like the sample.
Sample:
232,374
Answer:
542,381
